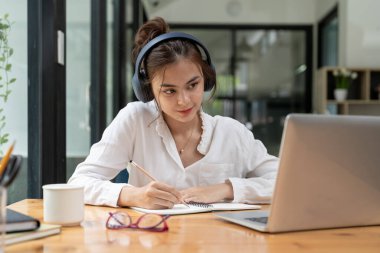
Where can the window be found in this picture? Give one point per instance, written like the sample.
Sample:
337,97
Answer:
263,74
328,39
15,110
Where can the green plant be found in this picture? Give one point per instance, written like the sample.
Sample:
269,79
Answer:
343,78
5,68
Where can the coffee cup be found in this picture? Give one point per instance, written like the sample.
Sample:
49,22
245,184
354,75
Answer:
63,204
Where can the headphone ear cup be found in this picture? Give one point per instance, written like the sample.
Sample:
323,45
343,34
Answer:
141,87
137,87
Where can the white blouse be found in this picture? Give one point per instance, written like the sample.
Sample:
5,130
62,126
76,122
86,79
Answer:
140,134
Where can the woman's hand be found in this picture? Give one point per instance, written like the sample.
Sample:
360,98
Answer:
154,195
208,194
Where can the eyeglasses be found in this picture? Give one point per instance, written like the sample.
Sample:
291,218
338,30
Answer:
151,222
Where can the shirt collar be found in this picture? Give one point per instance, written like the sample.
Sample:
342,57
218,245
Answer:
207,127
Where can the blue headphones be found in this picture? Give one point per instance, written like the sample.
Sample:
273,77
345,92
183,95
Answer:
141,86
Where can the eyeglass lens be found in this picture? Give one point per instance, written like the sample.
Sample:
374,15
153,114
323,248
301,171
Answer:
147,221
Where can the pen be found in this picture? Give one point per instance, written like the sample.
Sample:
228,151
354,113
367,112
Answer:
150,176
4,161
142,170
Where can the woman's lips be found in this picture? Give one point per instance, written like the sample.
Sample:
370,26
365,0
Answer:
187,111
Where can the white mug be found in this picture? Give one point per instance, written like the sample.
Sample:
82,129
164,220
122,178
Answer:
63,204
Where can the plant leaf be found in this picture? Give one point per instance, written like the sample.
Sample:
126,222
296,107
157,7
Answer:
8,67
4,26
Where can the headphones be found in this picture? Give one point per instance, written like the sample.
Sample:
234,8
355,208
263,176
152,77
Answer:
141,87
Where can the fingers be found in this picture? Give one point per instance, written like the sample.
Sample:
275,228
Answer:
191,194
204,194
161,195
169,189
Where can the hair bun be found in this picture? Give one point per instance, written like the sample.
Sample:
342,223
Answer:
147,32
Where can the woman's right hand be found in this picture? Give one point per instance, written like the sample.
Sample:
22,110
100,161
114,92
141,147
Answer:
154,195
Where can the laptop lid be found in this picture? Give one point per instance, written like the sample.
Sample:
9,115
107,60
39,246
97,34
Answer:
329,173
328,177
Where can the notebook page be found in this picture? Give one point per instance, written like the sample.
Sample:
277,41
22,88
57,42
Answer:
183,209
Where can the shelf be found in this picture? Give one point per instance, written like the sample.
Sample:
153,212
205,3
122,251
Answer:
357,102
363,94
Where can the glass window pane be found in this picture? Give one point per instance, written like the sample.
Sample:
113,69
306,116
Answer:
267,82
78,46
270,80
15,109
330,43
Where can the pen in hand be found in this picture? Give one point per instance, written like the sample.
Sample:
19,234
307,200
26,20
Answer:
150,176
142,170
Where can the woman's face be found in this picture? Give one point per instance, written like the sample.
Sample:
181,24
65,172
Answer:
179,89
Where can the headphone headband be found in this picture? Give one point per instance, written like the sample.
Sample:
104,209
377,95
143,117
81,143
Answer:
144,94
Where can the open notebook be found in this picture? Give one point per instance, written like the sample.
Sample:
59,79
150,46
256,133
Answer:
199,208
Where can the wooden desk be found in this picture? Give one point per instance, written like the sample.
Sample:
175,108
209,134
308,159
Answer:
190,233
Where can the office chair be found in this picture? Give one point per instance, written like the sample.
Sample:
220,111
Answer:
122,177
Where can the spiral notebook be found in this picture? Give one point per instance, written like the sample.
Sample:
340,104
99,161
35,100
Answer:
199,208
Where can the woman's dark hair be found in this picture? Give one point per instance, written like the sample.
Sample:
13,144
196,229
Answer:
167,52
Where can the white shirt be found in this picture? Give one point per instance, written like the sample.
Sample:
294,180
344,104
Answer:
140,134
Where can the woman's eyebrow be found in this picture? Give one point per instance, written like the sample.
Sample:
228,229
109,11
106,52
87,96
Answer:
168,85
173,85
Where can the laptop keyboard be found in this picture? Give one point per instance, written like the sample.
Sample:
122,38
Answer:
263,220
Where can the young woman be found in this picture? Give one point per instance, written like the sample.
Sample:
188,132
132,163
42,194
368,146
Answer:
192,155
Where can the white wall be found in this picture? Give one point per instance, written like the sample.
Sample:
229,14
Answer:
362,37
359,31
235,11
322,7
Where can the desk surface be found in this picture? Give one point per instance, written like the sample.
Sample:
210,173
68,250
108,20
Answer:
190,233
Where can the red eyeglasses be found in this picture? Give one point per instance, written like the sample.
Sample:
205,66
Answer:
150,222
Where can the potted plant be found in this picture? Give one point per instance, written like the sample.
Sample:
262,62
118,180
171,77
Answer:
5,80
343,79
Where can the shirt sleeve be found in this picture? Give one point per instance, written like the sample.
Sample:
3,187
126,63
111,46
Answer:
260,173
106,159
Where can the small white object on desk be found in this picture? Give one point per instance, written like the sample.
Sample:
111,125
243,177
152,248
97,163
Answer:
63,204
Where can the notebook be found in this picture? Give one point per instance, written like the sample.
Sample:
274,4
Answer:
199,208
43,231
17,222
328,176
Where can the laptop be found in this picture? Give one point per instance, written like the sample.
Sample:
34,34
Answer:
328,177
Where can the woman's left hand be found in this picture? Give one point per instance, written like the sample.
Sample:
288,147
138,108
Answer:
208,194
